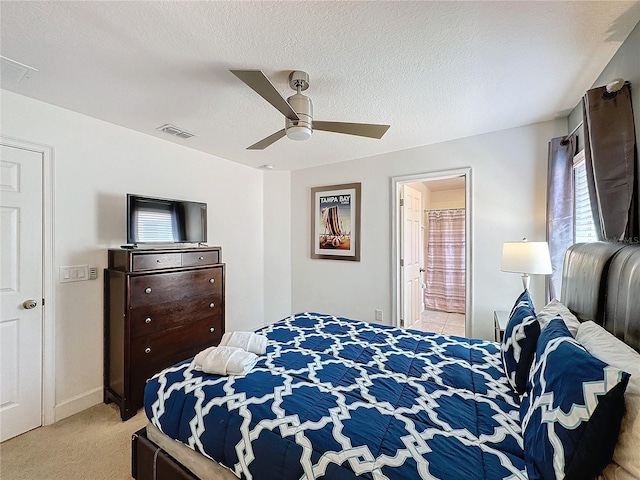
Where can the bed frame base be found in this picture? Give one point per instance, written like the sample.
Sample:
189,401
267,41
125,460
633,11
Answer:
150,462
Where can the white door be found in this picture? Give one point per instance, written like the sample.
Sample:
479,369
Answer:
411,258
20,281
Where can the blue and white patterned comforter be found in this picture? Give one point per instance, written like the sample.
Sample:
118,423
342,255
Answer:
338,399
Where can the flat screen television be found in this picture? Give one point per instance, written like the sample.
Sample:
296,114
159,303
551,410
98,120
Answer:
165,221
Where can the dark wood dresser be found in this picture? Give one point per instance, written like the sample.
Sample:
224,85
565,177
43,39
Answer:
160,307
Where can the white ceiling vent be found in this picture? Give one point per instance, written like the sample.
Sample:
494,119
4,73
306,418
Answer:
13,71
175,131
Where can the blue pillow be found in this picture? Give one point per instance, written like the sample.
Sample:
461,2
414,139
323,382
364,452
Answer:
519,342
571,414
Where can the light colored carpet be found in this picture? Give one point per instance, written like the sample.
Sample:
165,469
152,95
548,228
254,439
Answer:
94,444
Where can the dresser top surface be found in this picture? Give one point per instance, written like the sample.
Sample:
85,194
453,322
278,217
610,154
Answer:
164,249
139,260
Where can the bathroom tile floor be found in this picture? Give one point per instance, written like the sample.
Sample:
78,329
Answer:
441,322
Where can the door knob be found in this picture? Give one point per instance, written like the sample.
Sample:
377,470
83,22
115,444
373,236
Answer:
29,304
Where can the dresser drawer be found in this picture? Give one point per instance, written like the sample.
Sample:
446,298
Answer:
168,287
152,349
191,259
148,319
148,364
156,261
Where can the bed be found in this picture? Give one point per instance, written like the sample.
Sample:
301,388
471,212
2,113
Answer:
341,399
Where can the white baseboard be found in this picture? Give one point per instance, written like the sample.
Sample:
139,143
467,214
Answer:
78,403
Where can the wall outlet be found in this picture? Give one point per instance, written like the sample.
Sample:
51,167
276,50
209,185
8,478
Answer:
93,273
378,315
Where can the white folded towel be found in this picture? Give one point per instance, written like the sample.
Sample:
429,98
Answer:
224,361
249,341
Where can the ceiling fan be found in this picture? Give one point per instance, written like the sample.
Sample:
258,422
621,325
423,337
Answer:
298,110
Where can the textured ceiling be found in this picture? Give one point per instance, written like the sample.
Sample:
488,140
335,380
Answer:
434,71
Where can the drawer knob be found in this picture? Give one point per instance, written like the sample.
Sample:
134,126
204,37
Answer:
211,305
147,350
212,329
158,260
200,258
147,320
212,280
147,290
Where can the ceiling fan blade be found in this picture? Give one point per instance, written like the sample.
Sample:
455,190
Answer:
265,142
259,82
361,129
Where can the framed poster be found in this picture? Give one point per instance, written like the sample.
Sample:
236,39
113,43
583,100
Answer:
335,222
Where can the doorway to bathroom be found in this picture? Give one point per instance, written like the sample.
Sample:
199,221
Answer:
431,233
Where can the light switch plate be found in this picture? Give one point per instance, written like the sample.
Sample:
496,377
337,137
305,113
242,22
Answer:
74,273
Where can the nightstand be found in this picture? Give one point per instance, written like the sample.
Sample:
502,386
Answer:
500,320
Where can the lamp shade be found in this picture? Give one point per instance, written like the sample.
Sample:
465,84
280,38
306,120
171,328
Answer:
526,257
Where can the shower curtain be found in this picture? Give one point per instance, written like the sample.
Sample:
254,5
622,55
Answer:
445,273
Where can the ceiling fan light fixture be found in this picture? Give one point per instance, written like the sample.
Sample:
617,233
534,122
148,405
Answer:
302,127
299,132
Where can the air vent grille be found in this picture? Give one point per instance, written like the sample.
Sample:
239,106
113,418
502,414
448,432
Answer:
175,131
13,71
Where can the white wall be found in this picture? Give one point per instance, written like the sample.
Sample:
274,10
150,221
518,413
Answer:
96,164
446,199
508,202
277,245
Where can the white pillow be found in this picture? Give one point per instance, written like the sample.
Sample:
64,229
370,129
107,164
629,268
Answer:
552,310
607,348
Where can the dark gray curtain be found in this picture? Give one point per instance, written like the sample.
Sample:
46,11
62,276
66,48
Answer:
559,207
610,160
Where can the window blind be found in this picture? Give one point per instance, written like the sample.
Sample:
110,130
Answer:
155,224
584,229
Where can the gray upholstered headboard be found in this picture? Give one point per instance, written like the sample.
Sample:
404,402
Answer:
601,282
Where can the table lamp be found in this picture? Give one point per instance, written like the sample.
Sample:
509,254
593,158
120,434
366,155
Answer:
527,258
